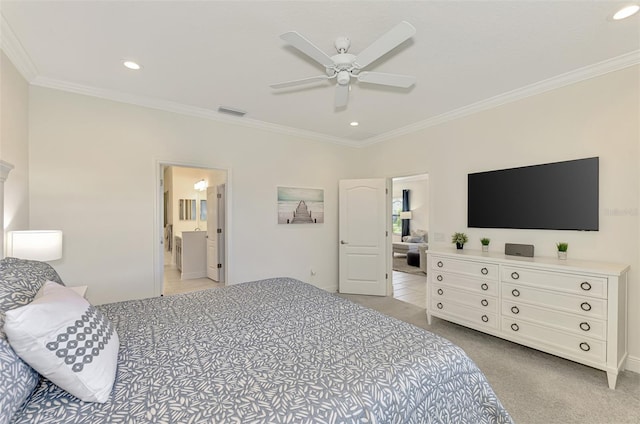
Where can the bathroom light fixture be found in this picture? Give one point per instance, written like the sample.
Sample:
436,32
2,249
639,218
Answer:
626,12
200,185
38,245
131,65
354,123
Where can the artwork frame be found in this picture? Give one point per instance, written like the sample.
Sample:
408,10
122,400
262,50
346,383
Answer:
300,205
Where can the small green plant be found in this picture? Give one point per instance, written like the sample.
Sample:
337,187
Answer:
459,238
485,241
562,246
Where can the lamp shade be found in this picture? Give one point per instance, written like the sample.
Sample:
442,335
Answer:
405,215
38,245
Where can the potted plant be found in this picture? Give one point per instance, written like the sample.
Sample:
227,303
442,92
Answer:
459,239
485,244
562,250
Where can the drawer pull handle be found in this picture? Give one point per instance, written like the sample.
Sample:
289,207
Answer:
515,292
484,302
515,327
440,292
515,275
439,305
484,271
440,264
439,278
585,306
585,346
585,286
515,310
484,286
584,326
485,318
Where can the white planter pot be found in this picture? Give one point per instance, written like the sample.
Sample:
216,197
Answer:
562,255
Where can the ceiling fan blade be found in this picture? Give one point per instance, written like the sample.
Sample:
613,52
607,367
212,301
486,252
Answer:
302,81
342,95
307,47
397,35
394,80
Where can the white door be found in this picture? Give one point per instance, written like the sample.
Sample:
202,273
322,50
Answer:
363,236
215,230
222,224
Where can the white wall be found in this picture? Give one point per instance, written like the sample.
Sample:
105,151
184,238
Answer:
93,175
597,117
14,135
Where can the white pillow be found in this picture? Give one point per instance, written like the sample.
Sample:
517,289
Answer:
67,340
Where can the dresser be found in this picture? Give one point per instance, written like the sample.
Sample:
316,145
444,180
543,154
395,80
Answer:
573,309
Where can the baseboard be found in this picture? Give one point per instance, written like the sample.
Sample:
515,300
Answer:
193,275
633,364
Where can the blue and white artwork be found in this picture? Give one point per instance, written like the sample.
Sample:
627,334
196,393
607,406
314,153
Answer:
300,205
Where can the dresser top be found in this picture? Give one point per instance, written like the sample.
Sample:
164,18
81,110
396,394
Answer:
569,265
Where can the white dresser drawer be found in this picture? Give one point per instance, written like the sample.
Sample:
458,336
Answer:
588,307
560,342
466,283
568,283
479,318
473,300
580,325
483,270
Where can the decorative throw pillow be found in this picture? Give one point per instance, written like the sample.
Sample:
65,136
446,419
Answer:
413,239
20,280
422,234
66,340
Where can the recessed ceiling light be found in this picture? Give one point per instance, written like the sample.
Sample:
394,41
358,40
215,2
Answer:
354,124
625,12
131,65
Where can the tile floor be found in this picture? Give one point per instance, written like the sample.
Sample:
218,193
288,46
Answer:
410,288
172,284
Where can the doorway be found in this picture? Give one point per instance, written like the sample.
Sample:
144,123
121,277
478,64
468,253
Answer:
410,229
182,228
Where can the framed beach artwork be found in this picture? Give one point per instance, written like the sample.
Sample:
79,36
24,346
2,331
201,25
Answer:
300,205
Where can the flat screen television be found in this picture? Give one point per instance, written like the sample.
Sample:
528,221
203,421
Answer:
552,196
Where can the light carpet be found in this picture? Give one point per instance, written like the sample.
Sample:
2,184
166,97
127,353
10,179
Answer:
535,387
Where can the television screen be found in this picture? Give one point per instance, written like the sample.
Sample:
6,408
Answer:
553,196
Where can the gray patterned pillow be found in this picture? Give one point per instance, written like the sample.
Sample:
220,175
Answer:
20,280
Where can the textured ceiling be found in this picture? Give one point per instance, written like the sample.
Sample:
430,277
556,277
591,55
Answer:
200,55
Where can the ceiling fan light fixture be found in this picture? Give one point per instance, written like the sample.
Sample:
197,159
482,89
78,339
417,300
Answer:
626,12
343,77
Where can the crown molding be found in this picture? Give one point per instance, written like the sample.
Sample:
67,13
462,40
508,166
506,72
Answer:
19,57
5,168
562,80
182,109
15,52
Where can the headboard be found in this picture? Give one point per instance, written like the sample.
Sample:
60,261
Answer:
5,167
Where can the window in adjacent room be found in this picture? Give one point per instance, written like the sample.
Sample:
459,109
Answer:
396,208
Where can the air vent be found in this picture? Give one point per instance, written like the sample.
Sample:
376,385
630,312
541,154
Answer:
231,111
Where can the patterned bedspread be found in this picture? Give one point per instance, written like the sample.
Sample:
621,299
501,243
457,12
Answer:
274,351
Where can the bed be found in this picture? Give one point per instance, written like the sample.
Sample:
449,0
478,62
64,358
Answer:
270,351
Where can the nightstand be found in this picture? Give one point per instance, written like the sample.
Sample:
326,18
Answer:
81,290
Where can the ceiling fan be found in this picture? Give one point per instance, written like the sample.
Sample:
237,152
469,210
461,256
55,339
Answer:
344,66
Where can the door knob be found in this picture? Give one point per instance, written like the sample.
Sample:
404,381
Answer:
343,242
